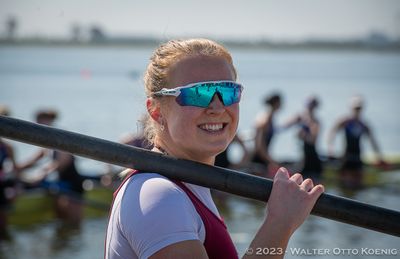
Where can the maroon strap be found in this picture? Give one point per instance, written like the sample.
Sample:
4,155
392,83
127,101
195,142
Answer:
218,242
131,172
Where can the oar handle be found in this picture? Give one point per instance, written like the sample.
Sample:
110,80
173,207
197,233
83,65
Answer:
249,186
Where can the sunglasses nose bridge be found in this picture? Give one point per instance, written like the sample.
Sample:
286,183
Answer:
216,101
219,95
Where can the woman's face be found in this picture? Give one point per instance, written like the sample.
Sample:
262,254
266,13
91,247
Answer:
197,133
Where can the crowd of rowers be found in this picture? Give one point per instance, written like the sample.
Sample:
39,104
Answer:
68,186
257,161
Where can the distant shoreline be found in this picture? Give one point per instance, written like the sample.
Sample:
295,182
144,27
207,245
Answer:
356,45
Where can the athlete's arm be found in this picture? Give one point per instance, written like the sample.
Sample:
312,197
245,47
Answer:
33,160
10,153
374,143
332,134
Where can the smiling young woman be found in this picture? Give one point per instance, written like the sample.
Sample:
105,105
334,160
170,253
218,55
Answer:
193,105
191,132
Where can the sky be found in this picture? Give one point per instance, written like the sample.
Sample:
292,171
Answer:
239,19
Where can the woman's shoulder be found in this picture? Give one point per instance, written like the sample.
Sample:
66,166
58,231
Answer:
144,179
153,186
152,212
149,196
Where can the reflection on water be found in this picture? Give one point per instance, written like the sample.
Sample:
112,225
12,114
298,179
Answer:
66,237
328,238
55,240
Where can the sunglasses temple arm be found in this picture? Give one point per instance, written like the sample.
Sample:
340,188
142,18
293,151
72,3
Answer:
171,92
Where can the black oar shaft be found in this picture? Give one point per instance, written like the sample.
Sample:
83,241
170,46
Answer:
328,206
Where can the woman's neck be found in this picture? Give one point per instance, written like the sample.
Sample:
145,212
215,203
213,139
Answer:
178,153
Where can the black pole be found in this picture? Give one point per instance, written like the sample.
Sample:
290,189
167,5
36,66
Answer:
249,186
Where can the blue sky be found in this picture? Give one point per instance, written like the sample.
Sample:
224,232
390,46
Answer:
273,19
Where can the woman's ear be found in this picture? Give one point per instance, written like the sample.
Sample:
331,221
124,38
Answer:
153,108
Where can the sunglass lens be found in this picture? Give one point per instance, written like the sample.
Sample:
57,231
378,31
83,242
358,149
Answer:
202,94
230,94
196,96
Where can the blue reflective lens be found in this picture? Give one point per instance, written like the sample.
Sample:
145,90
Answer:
201,94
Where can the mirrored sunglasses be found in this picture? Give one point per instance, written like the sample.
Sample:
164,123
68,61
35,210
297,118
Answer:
201,94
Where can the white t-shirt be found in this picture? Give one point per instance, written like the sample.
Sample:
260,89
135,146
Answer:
149,213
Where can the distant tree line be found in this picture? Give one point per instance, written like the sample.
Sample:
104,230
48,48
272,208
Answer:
95,34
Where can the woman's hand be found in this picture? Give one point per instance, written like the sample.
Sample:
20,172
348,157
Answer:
289,204
291,200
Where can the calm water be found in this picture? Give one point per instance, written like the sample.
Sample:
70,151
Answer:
98,92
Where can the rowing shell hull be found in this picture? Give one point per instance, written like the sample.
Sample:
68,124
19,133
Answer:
36,206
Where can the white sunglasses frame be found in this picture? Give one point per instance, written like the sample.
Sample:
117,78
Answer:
177,90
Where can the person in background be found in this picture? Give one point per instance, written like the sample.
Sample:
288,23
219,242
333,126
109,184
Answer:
68,187
138,139
308,134
354,127
222,159
9,178
193,103
262,162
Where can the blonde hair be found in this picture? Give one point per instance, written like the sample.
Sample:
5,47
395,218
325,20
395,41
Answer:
168,54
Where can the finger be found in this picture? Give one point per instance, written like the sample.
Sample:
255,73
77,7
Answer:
282,173
317,190
297,178
307,185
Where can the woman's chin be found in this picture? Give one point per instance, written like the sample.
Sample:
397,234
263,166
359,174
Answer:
215,150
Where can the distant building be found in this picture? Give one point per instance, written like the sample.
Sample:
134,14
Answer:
377,39
96,34
11,27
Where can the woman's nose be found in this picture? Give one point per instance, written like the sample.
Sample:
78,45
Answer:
216,105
